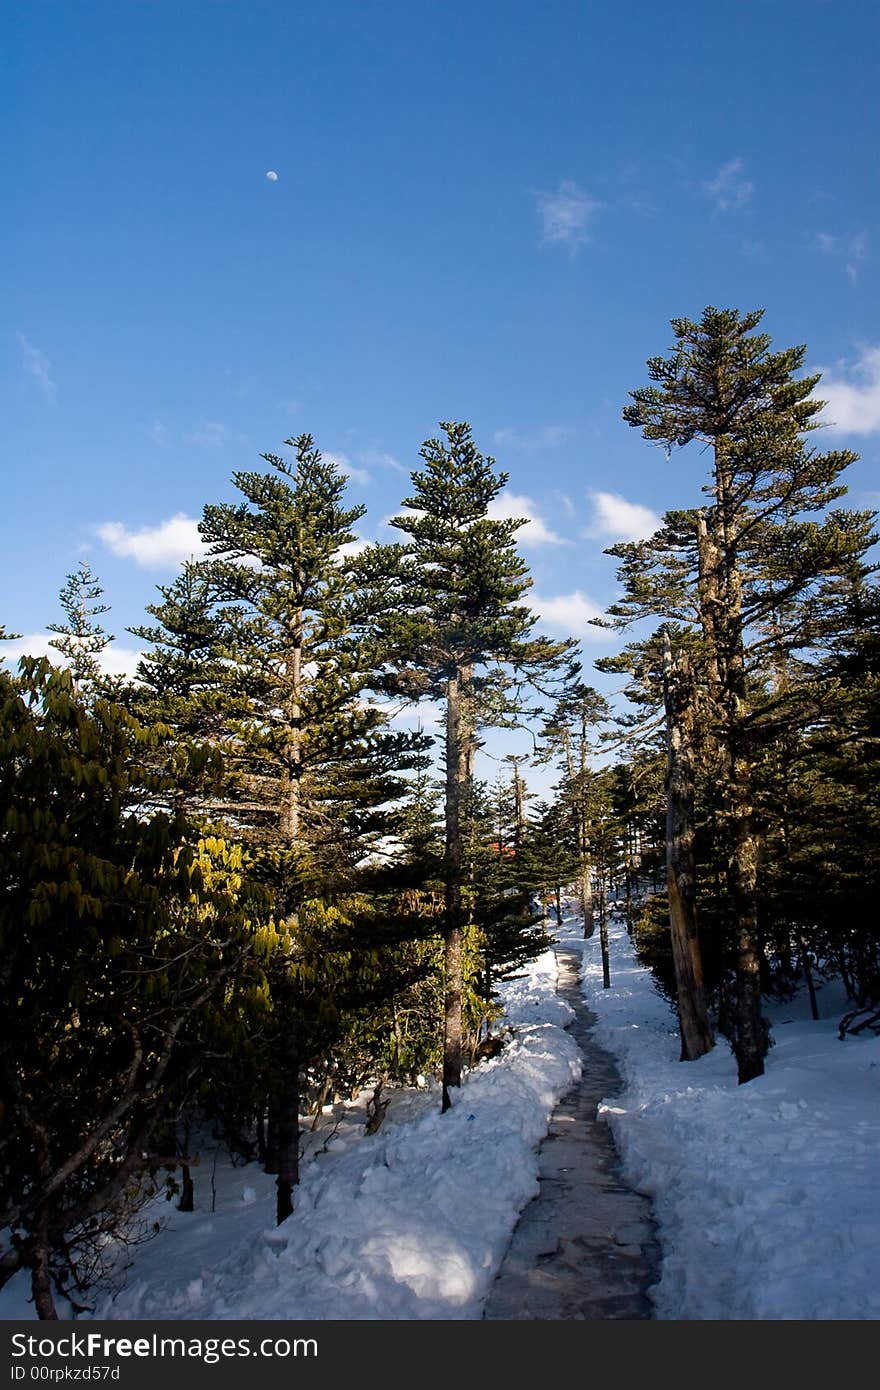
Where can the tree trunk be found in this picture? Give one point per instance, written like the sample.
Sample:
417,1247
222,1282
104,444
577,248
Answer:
291,778
559,904
750,1044
709,597
288,1143
603,933
750,1036
628,877
584,834
187,1190
271,1159
261,1136
519,835
41,1274
693,1018
585,876
456,783
586,895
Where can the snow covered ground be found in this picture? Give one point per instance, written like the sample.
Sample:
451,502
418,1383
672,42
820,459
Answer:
765,1194
411,1222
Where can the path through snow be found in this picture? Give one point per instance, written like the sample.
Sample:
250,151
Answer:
585,1246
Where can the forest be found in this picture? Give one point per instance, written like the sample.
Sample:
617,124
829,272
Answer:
236,887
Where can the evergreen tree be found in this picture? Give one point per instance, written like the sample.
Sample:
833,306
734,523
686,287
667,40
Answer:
456,628
118,933
552,851
82,639
752,553
182,684
568,739
503,931
315,770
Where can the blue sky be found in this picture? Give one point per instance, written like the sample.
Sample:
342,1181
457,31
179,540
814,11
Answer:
483,211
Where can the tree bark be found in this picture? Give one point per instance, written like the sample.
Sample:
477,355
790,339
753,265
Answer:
750,1039
585,876
261,1136
456,783
187,1190
693,1018
41,1274
586,896
291,779
603,933
519,835
270,1162
750,1033
288,1143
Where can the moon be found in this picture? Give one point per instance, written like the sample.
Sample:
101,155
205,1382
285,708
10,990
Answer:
271,176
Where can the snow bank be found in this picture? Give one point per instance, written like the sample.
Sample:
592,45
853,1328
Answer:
411,1222
765,1194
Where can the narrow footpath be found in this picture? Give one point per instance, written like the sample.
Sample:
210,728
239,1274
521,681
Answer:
585,1247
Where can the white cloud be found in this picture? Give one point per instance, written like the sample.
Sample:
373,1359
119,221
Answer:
353,548
729,190
155,547
114,660
345,465
568,615
619,520
852,395
271,176
159,433
120,661
566,215
509,505
38,366
211,435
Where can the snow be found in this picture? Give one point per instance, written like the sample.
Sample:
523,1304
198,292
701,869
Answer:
764,1194
411,1222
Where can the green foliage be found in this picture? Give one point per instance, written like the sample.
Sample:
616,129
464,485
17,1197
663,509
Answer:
314,766
81,639
452,597
749,586
119,934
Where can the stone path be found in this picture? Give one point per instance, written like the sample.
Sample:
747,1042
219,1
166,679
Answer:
585,1247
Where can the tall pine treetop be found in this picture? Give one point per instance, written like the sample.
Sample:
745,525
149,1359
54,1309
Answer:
81,639
460,575
721,375
292,522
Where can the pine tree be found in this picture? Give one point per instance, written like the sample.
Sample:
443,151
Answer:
81,639
552,851
504,874
118,933
182,684
568,738
456,629
815,789
751,553
315,769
